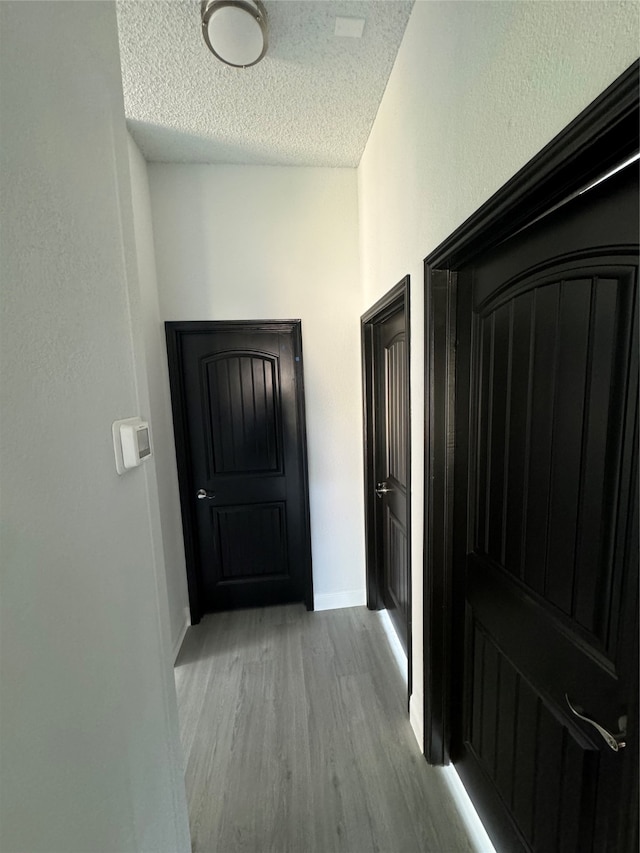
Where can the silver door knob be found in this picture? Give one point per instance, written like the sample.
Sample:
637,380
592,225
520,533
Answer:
203,494
615,742
381,489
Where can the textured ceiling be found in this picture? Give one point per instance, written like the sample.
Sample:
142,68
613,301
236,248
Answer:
310,102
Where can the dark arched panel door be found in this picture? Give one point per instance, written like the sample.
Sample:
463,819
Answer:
550,347
392,415
239,411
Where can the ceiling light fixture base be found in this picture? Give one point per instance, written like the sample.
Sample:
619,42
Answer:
235,31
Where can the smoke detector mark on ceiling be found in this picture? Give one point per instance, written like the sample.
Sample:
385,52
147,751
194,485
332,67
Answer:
349,27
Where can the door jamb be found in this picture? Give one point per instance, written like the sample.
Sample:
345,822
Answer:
396,298
175,330
602,136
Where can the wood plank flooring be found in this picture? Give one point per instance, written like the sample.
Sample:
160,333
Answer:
296,739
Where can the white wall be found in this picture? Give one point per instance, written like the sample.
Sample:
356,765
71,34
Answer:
155,357
244,243
477,89
90,755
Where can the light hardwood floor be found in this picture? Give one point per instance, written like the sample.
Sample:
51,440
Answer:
296,739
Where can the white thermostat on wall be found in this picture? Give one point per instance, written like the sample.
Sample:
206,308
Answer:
131,443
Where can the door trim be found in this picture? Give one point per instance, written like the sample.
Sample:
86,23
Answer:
175,331
395,299
602,136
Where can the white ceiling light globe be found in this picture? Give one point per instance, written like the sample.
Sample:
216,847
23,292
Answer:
235,31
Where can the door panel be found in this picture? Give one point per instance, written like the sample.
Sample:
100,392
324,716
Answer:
396,562
552,544
395,357
239,391
550,415
253,537
242,402
390,368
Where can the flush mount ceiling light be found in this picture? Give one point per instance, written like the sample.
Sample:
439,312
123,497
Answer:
235,30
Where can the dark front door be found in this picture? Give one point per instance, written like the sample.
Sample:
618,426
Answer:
391,466
549,350
239,412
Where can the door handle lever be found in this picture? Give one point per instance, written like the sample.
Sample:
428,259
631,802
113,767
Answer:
204,494
381,489
615,742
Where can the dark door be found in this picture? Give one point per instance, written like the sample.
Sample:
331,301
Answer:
549,350
238,405
391,466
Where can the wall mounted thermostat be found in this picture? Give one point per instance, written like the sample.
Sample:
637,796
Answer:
131,443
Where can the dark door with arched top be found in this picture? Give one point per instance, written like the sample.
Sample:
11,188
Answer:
239,414
392,459
548,528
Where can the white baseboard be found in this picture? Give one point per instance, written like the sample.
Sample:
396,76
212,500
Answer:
416,717
416,701
395,645
337,600
182,633
466,810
